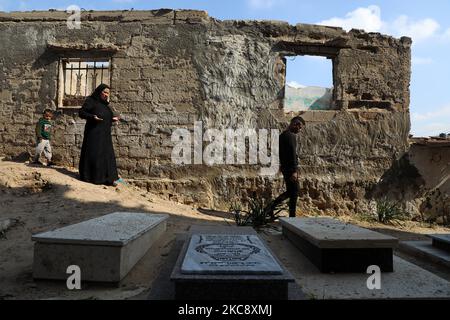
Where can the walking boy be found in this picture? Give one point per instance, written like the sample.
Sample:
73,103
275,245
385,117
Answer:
43,136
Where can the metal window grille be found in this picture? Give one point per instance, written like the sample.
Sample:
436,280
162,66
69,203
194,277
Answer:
80,77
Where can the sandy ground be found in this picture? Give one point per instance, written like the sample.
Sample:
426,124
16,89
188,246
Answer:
38,199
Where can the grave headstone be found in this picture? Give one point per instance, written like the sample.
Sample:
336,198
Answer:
228,263
228,254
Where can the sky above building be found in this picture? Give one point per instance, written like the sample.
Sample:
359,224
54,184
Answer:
426,22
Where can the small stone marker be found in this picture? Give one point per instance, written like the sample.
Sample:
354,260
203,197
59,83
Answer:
335,246
105,248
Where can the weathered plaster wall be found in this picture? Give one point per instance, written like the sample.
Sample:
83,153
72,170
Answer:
171,68
432,161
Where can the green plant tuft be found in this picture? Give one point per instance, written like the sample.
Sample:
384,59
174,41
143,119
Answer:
260,211
388,210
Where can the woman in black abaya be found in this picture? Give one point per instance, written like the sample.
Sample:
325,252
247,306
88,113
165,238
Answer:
97,160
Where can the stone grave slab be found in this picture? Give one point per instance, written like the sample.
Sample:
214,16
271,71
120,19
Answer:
105,248
228,263
335,246
441,241
228,254
426,250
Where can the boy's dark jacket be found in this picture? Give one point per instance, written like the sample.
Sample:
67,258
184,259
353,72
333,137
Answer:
43,129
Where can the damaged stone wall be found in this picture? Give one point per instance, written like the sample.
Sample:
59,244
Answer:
432,160
419,182
172,68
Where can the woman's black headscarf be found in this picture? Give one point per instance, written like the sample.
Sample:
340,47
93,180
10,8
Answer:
98,91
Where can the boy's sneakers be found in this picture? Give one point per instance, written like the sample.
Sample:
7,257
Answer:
39,163
119,181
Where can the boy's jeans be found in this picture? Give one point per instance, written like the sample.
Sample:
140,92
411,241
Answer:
43,146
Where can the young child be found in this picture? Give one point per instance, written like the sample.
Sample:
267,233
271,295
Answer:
43,136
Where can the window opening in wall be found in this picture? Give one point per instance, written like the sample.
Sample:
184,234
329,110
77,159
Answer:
309,83
79,77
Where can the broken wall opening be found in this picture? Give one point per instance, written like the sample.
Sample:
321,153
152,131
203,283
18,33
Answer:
309,83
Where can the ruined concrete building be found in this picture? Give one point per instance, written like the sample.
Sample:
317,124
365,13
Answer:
170,68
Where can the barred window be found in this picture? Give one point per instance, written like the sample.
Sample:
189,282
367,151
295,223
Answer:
79,77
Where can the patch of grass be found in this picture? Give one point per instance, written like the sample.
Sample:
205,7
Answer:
259,211
388,210
311,296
